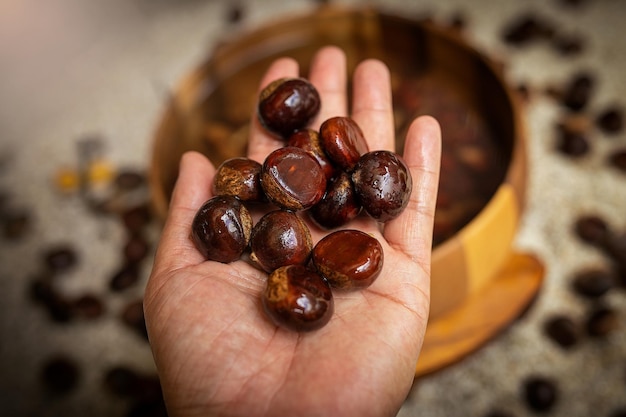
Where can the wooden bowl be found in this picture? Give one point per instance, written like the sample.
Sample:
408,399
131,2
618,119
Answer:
474,266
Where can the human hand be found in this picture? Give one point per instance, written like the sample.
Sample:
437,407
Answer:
216,351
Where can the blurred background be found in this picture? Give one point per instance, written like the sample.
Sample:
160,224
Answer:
83,87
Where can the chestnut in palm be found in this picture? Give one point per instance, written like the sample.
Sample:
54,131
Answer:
343,141
348,259
221,229
239,177
298,298
288,104
280,238
383,183
292,179
339,204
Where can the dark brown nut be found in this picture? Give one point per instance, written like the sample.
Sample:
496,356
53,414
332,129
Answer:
601,321
343,141
540,393
610,120
593,283
132,316
339,204
526,29
292,179
221,229
60,374
60,258
125,277
136,249
348,259
617,159
568,44
309,140
239,177
572,143
280,238
298,298
121,381
578,91
562,330
88,306
592,229
383,184
287,105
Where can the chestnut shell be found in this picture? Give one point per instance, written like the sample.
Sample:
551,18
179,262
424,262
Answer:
309,140
221,229
343,141
292,179
239,177
383,184
348,259
339,204
288,104
280,238
298,298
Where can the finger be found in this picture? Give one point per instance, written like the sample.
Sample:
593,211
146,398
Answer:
329,76
261,143
193,188
412,231
371,104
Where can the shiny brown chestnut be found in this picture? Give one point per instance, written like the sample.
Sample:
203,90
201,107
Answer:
348,259
383,184
239,177
292,179
288,104
343,141
339,204
280,238
298,298
309,140
221,229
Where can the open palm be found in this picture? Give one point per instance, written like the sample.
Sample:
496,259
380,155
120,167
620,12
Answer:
215,350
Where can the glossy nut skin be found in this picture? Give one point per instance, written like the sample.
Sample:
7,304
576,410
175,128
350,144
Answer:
309,140
288,104
280,238
221,229
348,259
239,177
292,179
339,204
343,141
383,184
297,298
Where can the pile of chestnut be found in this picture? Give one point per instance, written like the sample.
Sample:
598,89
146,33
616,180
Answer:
330,176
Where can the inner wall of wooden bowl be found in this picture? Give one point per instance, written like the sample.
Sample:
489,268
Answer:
433,72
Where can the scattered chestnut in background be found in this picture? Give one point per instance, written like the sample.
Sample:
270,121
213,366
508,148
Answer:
348,259
540,393
288,104
239,177
339,204
280,238
297,298
343,141
221,229
292,179
383,184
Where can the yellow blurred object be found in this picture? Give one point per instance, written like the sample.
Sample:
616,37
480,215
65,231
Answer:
67,180
99,172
